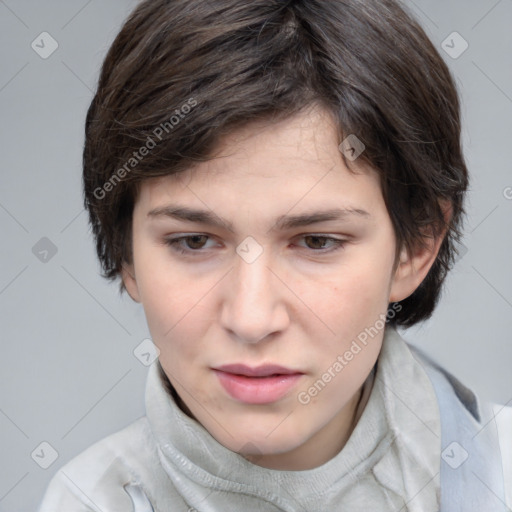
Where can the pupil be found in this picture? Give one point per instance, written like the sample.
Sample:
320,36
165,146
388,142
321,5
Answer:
194,241
319,244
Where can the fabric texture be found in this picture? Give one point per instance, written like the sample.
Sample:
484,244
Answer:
166,461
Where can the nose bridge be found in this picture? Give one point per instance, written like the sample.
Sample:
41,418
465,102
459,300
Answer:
254,278
252,274
252,308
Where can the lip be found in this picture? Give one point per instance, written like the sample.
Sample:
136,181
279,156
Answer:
264,370
259,385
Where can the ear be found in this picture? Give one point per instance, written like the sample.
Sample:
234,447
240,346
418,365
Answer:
130,283
413,268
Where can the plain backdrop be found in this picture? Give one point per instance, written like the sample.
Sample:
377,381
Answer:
68,370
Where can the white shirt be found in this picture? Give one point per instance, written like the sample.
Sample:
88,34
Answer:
391,462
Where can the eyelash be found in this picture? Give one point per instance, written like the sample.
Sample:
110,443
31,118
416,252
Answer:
174,243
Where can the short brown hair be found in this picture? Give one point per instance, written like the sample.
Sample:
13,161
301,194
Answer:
198,69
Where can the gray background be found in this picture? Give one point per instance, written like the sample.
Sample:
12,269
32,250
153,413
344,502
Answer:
69,374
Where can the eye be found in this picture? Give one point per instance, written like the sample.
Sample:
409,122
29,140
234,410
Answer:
318,243
194,243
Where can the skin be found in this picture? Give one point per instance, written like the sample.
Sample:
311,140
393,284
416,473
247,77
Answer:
300,304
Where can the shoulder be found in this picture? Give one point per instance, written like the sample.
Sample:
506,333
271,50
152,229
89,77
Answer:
503,418
495,419
96,478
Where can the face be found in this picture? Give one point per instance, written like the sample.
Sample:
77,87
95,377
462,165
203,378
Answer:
271,253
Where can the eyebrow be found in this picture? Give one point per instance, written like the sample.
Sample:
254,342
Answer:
282,222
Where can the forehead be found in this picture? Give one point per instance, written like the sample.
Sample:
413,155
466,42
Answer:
294,160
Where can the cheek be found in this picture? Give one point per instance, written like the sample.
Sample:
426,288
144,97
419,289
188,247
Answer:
355,293
174,306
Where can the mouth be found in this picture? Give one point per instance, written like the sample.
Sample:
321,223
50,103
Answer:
259,385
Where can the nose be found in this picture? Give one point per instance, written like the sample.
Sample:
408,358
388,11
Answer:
254,301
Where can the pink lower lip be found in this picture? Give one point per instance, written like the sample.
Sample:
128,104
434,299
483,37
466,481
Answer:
257,390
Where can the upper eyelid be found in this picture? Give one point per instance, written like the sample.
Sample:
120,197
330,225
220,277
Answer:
200,233
192,234
183,236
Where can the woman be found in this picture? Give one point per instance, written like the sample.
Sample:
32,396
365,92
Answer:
281,186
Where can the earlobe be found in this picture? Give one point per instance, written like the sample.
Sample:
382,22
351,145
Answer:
130,282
